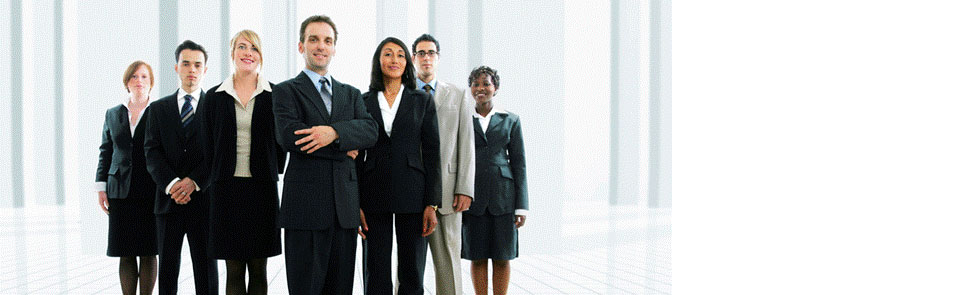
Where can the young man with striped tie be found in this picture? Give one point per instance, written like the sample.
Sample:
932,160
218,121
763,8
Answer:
175,161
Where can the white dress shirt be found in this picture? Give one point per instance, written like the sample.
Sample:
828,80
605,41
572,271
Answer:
387,111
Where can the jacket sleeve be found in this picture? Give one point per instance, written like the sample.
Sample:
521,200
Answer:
466,149
359,132
518,166
288,118
207,116
430,151
157,164
106,151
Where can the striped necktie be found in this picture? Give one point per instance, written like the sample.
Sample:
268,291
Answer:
325,94
186,112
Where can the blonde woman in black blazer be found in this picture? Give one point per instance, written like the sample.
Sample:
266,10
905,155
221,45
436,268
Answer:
400,175
500,202
125,189
244,158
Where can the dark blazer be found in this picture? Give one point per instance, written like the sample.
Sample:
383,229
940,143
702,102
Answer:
323,184
219,137
401,173
116,152
501,185
171,150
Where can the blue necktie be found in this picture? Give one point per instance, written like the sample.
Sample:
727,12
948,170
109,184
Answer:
428,89
186,112
325,94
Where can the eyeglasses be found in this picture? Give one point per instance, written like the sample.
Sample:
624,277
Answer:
430,53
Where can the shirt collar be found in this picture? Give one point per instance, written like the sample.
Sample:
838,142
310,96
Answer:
315,77
126,102
433,84
492,111
196,94
227,86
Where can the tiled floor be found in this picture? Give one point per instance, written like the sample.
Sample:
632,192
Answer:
40,253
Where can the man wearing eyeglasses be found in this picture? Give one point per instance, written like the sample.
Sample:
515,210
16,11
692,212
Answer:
457,160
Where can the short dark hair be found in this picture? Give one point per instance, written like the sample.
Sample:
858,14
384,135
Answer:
187,44
484,70
424,37
376,75
318,19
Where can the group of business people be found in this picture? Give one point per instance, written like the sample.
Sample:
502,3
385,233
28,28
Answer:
408,156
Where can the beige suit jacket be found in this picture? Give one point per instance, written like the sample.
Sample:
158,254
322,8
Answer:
457,156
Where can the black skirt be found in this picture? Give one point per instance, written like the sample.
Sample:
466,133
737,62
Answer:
489,237
243,219
133,226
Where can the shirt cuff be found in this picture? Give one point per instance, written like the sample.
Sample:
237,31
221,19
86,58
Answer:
195,185
170,186
521,212
100,186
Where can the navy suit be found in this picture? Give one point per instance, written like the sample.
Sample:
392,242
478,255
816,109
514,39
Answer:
172,151
320,211
400,177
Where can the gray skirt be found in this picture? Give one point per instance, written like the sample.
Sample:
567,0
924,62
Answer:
489,237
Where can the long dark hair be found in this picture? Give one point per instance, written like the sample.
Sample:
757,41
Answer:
376,75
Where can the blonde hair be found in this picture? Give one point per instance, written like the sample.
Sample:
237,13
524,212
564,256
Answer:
250,36
128,74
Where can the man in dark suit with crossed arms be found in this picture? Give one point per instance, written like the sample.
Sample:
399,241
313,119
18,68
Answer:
322,123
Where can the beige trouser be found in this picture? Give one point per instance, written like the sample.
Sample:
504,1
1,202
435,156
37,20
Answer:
445,247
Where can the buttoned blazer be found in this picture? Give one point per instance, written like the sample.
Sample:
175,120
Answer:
320,188
501,185
401,172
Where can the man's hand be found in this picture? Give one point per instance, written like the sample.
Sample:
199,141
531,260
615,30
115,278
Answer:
353,154
363,226
519,220
429,221
104,203
316,137
181,191
461,202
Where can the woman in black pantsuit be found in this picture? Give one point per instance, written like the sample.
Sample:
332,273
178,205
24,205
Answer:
125,189
500,202
238,134
399,176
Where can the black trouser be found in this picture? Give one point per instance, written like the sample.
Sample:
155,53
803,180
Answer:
320,261
192,220
378,248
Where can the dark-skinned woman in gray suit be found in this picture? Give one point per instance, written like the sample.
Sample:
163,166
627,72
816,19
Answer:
500,202
125,189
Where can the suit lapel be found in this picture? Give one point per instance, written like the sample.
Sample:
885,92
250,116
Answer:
192,129
175,116
373,107
339,104
309,91
495,120
441,95
124,120
479,130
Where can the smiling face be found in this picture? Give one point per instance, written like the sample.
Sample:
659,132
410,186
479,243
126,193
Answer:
246,56
139,83
318,46
190,68
483,89
392,61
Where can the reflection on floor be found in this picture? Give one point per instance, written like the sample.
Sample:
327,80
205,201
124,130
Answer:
624,251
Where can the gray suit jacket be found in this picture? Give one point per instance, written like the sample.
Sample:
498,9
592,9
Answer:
457,155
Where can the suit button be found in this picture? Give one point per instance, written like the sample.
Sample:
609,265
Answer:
184,150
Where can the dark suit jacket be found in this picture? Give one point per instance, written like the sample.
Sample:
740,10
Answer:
401,173
116,152
323,184
173,151
219,137
501,185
